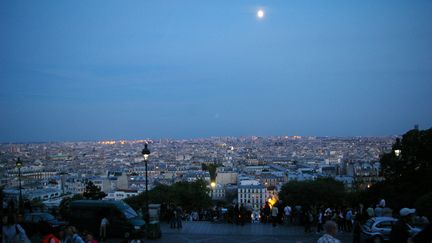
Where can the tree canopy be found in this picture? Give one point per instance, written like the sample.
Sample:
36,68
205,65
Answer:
93,192
188,195
407,176
211,168
323,191
415,157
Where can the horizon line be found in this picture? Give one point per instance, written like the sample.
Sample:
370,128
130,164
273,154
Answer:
195,138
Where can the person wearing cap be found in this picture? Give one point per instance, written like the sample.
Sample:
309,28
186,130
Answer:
400,230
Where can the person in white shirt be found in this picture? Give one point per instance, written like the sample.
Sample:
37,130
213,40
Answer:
274,214
103,228
287,213
330,228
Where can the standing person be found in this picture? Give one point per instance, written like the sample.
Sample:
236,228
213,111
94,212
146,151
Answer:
179,214
72,235
400,230
47,233
11,231
340,219
287,213
330,228
425,235
242,214
378,211
103,229
236,214
274,214
328,214
320,220
359,219
172,217
370,211
308,220
90,239
348,218
266,212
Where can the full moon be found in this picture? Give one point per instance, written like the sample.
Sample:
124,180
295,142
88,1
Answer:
260,14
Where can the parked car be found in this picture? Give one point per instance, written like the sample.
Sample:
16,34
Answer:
31,222
378,229
123,220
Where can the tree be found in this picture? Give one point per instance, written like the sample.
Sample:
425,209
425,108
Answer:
188,195
323,191
415,157
93,192
211,168
407,176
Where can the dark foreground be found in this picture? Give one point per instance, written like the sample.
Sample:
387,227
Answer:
212,232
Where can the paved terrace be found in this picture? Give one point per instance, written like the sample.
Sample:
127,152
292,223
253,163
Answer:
221,232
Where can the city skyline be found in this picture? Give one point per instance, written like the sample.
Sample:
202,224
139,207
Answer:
100,70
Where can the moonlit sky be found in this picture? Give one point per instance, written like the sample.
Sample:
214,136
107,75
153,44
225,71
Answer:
100,69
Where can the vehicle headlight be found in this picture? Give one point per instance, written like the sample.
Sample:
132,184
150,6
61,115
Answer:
137,227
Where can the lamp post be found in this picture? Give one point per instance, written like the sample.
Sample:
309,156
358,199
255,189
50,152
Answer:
146,152
398,152
398,148
20,203
213,185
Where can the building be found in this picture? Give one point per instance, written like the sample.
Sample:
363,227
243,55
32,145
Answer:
121,194
253,196
268,180
218,193
225,178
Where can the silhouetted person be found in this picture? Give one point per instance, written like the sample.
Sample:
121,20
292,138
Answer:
242,214
103,228
179,215
425,235
359,219
46,231
274,214
266,212
330,228
11,231
400,230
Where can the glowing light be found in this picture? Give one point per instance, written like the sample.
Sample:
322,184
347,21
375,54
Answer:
107,142
397,152
260,14
213,184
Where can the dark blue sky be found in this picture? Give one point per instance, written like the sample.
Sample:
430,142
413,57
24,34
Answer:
79,70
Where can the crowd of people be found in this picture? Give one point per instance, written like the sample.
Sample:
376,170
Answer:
326,220
13,232
320,219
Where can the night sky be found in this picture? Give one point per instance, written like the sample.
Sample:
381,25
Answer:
100,69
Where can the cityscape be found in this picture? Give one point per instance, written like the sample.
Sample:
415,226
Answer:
50,170
215,121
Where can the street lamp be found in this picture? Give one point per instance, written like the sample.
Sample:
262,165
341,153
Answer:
20,203
213,185
397,152
146,153
397,148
